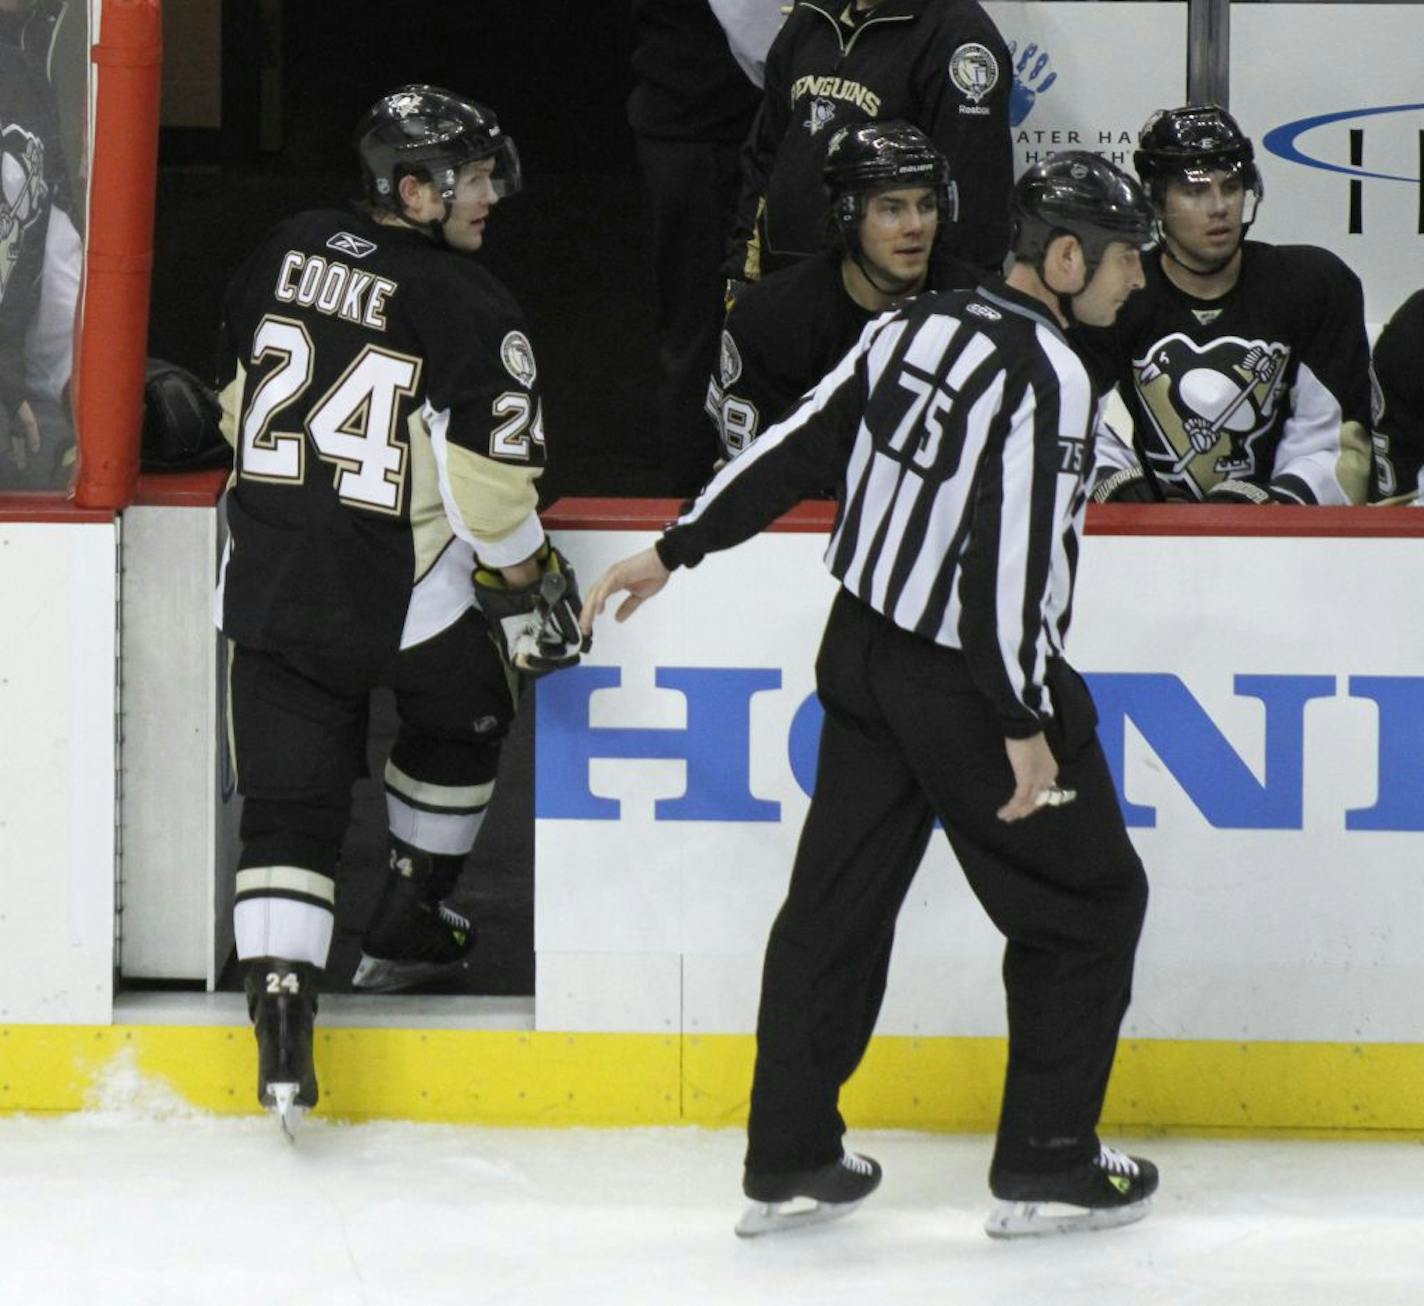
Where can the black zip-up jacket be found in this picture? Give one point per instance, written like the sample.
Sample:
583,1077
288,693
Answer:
938,64
689,86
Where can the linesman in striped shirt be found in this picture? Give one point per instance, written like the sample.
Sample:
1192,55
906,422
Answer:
959,430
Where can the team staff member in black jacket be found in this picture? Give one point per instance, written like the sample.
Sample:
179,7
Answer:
383,400
690,112
891,201
939,64
960,431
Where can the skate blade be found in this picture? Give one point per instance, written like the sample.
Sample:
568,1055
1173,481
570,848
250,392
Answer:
1047,1219
376,975
782,1217
286,1108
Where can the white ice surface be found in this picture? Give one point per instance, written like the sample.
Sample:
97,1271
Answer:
146,1202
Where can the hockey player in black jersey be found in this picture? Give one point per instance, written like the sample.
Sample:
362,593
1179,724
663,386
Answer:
383,399
1243,365
890,200
958,431
1398,406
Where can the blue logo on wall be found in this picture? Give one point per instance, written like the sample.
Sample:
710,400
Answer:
715,746
1284,142
1031,79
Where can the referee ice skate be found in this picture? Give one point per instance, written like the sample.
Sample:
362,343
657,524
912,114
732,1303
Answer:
959,431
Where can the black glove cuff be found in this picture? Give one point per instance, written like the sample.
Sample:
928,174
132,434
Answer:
1239,492
1126,485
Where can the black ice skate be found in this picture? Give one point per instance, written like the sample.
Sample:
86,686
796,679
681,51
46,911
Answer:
806,1197
281,1000
413,937
1111,1189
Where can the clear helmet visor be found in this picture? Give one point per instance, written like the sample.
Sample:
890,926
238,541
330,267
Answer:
1233,175
508,175
501,170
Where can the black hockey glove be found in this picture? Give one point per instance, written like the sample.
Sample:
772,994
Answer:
1126,485
535,626
1234,491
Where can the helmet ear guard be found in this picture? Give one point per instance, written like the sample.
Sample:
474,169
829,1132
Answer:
870,158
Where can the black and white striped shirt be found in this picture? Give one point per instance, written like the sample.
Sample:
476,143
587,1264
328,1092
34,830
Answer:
959,430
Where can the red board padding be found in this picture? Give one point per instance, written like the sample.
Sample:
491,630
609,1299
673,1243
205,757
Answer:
654,514
181,489
51,506
1103,519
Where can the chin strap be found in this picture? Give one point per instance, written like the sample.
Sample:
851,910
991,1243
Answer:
437,229
1065,301
857,257
1211,269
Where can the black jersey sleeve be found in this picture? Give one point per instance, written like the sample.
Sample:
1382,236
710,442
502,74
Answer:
754,384
971,128
797,457
483,411
1324,450
1398,416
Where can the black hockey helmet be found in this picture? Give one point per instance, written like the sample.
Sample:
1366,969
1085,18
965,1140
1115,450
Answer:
430,133
1081,194
872,157
1190,143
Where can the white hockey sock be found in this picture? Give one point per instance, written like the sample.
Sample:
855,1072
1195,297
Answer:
284,911
440,819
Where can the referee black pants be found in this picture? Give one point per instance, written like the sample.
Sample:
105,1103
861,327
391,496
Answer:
908,739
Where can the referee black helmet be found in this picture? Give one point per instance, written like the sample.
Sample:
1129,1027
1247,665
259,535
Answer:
1081,194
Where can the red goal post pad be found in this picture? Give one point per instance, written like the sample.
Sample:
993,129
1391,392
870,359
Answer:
111,330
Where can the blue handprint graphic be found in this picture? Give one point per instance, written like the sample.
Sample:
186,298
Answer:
1029,82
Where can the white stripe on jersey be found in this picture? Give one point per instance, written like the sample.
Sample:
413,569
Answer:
440,597
1310,445
931,342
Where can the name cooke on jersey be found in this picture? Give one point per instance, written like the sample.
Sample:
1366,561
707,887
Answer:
333,288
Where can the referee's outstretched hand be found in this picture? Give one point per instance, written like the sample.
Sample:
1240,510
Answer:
642,575
1035,773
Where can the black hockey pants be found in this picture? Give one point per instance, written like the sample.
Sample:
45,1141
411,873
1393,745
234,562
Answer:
907,738
299,735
